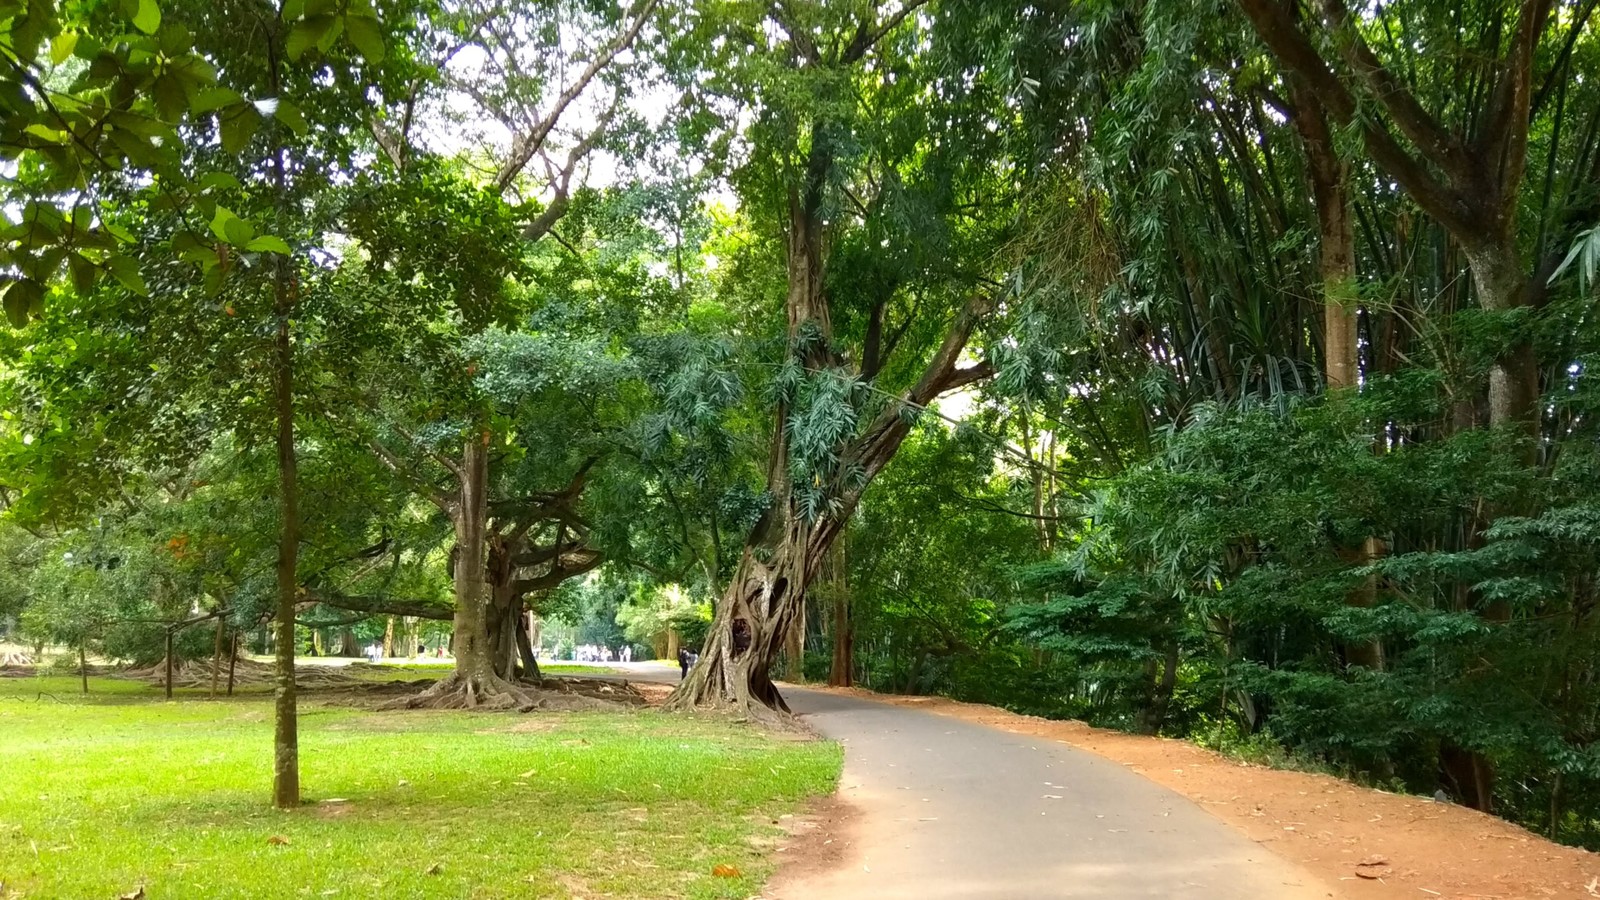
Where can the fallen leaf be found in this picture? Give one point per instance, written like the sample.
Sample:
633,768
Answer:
434,869
278,840
136,894
723,870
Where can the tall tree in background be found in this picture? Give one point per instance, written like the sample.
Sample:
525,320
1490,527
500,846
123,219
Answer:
875,163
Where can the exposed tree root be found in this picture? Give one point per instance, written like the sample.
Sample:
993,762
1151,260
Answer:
197,674
709,689
15,658
461,691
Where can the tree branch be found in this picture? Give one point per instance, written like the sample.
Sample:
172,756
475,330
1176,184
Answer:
526,146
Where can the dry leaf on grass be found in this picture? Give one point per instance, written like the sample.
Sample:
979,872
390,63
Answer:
278,840
434,869
135,894
723,870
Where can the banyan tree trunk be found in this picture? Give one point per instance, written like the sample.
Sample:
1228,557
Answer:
474,683
753,619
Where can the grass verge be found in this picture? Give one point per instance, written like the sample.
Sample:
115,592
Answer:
104,795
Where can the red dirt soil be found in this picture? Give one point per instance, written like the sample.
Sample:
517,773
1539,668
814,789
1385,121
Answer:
1365,844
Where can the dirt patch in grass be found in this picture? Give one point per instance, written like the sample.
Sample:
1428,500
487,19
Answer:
654,693
1366,843
817,841
526,726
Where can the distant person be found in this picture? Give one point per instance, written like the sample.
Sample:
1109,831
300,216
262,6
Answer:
422,649
685,660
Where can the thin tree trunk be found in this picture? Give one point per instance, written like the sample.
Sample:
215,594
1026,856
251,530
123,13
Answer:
169,663
233,657
794,650
1341,363
216,659
530,662
388,638
83,666
286,737
841,674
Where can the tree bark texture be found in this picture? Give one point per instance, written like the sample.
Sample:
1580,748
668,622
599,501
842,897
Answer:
286,728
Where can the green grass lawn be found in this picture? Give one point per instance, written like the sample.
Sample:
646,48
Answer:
99,797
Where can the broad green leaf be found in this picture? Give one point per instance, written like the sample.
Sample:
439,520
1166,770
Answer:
307,34
218,181
290,115
175,40
45,132
219,222
171,98
148,17
267,243
239,231
16,304
215,98
366,36
83,272
239,125
126,270
61,48
325,43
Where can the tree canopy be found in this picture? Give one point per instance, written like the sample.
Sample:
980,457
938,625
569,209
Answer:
1209,368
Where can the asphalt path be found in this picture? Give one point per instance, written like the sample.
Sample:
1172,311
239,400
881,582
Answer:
949,809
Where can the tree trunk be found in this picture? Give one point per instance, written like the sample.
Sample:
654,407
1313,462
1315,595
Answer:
474,683
286,725
1341,362
83,666
216,659
168,678
388,638
842,671
530,662
784,551
794,649
469,642
233,658
1154,713
752,618
1514,377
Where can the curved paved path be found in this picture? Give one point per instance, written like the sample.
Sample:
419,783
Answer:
948,809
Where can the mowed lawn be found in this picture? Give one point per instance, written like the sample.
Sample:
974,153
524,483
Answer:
103,796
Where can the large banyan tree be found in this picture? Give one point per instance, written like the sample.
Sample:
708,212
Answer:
877,154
